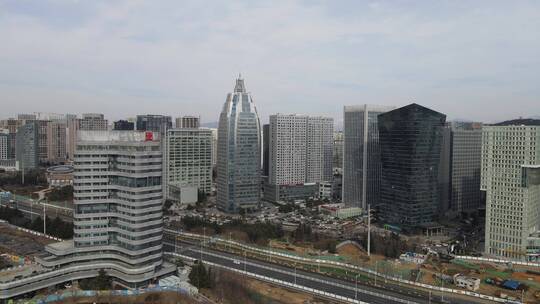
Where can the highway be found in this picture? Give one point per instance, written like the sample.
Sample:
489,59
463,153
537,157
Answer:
32,210
366,293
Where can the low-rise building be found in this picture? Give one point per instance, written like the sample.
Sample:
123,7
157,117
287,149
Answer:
412,257
59,176
469,283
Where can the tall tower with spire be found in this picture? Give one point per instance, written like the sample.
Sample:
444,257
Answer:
239,152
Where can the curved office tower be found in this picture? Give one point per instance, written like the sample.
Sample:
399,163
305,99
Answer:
118,197
239,153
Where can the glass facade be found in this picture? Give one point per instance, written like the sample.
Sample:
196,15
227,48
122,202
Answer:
410,142
239,153
361,155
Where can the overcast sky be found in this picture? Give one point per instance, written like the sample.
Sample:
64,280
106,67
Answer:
477,60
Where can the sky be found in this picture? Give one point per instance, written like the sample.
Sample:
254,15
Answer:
473,60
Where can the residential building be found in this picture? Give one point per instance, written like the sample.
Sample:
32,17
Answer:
11,124
154,123
88,122
510,175
4,144
42,142
189,159
361,155
26,117
123,125
239,153
56,142
190,122
410,147
300,156
118,200
27,146
93,122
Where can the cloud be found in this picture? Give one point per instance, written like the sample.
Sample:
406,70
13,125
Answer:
129,57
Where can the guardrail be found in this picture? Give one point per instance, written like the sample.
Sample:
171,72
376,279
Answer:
280,282
499,261
343,265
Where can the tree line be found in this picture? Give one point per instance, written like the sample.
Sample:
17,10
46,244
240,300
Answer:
55,227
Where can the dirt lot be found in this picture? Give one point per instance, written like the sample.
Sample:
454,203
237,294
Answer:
282,295
153,297
20,243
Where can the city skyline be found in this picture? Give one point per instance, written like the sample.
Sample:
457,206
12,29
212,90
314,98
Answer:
91,59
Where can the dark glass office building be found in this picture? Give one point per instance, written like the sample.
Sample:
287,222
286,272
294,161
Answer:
410,141
124,125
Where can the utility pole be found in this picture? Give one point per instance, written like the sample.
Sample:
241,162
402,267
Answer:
44,220
22,169
368,231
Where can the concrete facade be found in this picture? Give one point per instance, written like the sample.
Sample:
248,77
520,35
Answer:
510,176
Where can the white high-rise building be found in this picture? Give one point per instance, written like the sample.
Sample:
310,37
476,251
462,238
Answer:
189,158
511,178
118,201
239,153
4,144
300,156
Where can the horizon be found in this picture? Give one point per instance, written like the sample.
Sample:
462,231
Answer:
471,61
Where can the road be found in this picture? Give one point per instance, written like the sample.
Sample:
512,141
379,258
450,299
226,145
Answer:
366,293
31,210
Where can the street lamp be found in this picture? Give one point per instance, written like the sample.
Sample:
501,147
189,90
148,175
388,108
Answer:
294,273
356,286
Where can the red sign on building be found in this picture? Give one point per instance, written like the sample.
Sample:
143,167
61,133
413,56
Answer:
149,136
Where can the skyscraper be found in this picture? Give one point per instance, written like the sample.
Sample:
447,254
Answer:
300,156
410,144
361,155
266,150
27,145
154,123
466,159
511,178
338,150
118,200
239,152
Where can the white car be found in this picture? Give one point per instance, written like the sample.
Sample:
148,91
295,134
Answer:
237,262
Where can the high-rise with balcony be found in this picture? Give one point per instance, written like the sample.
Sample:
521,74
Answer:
511,178
239,152
118,200
300,151
410,144
189,159
190,122
361,155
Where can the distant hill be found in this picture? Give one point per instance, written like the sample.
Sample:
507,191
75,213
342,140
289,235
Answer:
213,124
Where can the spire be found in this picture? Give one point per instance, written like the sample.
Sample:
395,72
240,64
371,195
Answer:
239,87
